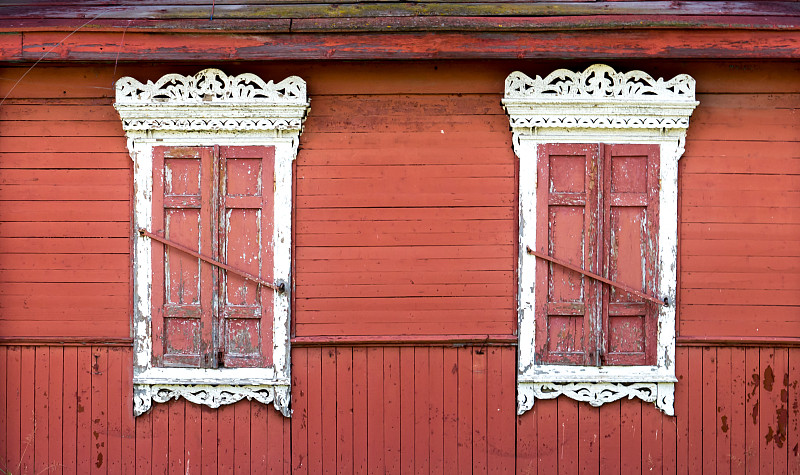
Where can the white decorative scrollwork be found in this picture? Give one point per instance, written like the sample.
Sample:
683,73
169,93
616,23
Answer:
597,394
209,395
599,81
210,86
211,101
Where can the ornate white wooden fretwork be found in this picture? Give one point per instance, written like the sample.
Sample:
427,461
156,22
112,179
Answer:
598,104
597,394
211,108
212,396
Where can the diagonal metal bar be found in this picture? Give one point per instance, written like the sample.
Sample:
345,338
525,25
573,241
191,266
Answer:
278,288
595,276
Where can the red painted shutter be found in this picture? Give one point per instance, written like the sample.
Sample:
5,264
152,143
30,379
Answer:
630,214
567,303
246,230
182,290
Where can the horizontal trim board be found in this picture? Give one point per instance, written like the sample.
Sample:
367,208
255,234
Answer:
63,341
404,22
708,342
404,340
293,9
600,44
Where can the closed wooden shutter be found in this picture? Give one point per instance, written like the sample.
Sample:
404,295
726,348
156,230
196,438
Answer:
631,252
567,303
183,286
246,230
218,201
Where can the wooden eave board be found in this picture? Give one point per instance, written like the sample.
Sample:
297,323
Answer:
337,15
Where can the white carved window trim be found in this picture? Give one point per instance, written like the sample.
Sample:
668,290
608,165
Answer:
598,105
211,108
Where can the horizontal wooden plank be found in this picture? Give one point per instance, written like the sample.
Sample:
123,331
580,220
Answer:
65,211
420,184
715,112
65,288
46,192
40,304
429,140
389,200
65,275
393,265
345,289
404,239
729,197
58,113
405,105
64,144
773,165
65,229
415,328
64,177
65,160
405,303
741,181
741,214
397,213
437,226
75,245
402,253
715,103
740,280
739,231
392,9
748,264
61,128
743,130
29,261
741,313
65,329
740,247
93,82
645,43
410,124
753,149
355,316
772,297
393,156
404,340
322,276
397,172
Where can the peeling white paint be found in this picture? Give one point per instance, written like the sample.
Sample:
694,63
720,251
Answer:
211,108
598,105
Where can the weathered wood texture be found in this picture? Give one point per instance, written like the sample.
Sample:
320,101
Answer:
399,410
405,200
87,45
348,16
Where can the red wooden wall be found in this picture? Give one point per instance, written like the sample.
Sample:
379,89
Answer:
405,229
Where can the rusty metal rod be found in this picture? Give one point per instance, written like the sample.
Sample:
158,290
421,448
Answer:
595,276
278,288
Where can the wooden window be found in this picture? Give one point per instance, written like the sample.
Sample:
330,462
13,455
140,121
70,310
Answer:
218,201
598,190
212,166
598,209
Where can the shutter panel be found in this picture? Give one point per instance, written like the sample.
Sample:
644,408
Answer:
567,303
246,232
631,251
182,290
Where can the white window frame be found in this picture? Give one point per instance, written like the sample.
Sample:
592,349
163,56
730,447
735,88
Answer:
206,109
598,105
